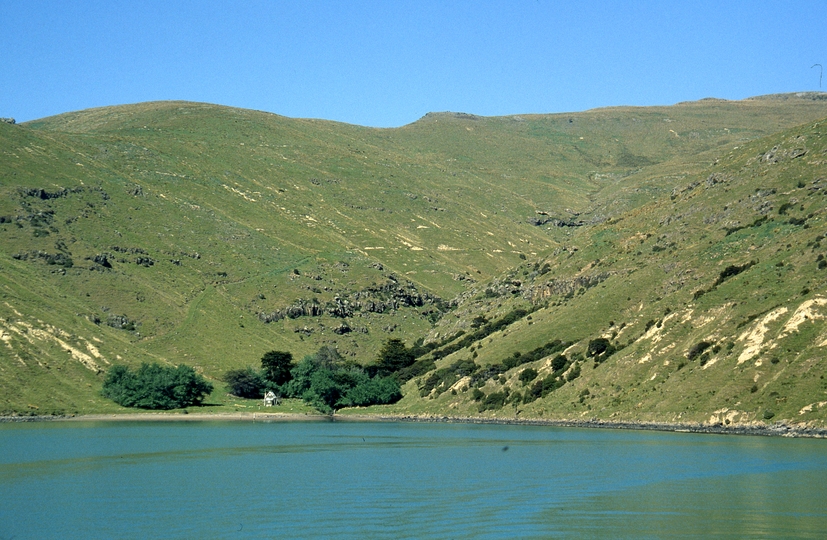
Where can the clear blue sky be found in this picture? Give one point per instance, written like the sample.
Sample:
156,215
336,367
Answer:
387,63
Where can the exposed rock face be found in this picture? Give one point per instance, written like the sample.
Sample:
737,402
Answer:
44,195
59,259
342,329
389,296
299,308
557,222
8,120
566,287
102,259
121,322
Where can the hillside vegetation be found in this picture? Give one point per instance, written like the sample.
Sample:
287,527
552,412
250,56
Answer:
661,263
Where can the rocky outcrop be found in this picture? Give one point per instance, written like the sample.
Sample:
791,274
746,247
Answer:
121,322
389,296
299,308
556,222
565,287
58,259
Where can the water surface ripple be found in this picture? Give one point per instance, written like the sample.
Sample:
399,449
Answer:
403,480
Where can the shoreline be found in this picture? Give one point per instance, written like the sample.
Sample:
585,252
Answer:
772,430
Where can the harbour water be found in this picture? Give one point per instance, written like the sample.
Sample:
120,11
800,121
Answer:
402,480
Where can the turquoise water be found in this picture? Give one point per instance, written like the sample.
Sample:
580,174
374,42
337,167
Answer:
402,480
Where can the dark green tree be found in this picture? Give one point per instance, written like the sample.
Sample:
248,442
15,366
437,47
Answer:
276,366
600,349
393,357
559,362
246,383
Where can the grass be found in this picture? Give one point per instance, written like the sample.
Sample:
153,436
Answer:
243,213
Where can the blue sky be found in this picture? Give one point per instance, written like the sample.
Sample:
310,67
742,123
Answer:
387,63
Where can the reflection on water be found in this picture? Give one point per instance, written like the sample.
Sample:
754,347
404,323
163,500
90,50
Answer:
383,480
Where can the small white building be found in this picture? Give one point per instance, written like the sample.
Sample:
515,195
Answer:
270,399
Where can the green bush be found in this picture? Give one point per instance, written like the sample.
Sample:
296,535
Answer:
481,333
574,373
535,354
600,349
698,348
732,270
493,401
420,367
445,377
154,386
543,388
527,375
559,362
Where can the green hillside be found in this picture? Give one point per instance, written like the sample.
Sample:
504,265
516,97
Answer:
192,233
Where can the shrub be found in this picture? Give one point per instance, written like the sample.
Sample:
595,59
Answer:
482,374
732,270
698,348
154,386
447,376
600,349
543,388
493,401
420,367
481,333
559,362
574,373
527,375
536,354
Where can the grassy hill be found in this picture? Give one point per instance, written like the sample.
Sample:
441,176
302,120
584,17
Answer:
184,232
712,298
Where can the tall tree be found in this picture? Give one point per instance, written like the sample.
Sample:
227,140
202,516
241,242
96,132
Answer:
276,366
393,357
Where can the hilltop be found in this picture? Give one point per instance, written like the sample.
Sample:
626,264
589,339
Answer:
686,239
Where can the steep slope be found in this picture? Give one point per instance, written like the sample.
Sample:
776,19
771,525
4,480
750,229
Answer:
182,232
706,305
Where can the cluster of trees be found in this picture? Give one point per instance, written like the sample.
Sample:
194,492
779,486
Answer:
328,382
324,379
153,386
